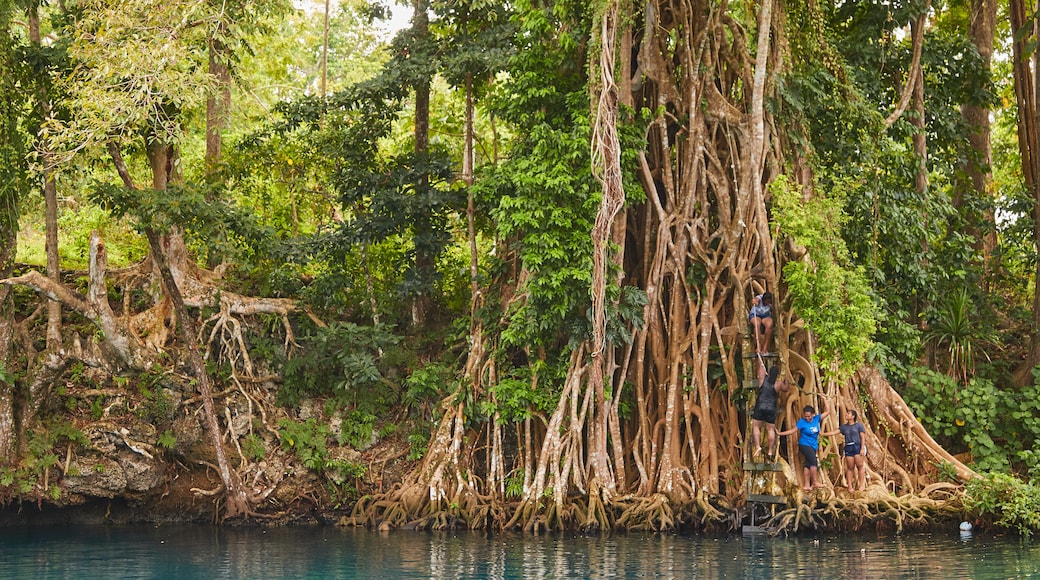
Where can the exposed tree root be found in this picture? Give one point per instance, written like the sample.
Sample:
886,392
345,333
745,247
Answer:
853,511
652,513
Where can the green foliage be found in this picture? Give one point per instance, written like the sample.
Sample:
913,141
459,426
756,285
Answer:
826,290
1010,502
308,440
515,484
167,440
915,243
545,203
357,429
973,417
253,447
947,472
157,406
517,399
345,361
474,38
201,210
417,443
74,231
426,386
6,377
955,328
28,474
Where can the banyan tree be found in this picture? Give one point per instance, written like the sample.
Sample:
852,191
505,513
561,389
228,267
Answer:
706,207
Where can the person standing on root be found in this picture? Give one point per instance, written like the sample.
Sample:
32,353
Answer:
808,429
764,413
855,451
761,319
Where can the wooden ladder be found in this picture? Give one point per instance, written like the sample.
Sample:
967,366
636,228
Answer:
759,504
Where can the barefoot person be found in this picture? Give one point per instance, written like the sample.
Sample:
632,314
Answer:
764,413
808,429
761,320
855,451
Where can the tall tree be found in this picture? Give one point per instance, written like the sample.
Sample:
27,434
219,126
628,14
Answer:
218,103
166,78
1027,82
13,180
982,26
703,147
50,190
423,55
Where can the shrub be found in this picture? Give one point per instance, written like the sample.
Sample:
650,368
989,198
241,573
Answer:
344,361
1006,500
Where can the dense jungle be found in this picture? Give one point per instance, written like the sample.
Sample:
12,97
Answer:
491,265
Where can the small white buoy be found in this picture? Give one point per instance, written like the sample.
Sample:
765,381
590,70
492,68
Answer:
965,526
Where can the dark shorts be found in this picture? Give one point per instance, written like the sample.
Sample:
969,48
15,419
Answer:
767,415
810,456
853,449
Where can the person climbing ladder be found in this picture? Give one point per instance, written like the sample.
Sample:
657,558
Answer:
764,413
761,319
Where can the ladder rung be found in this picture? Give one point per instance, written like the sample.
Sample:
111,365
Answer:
762,498
753,530
761,466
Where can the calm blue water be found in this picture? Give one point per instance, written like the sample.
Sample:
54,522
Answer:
205,552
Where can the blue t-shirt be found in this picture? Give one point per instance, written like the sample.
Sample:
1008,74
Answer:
809,432
761,310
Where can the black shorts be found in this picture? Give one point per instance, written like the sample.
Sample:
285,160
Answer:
810,456
853,449
767,415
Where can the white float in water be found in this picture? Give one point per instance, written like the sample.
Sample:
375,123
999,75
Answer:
965,526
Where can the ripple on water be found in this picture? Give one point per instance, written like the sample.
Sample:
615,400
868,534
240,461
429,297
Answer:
207,552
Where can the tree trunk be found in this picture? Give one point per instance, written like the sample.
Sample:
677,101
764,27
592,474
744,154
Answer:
607,167
1029,148
920,140
218,104
982,25
237,498
8,249
161,157
424,262
50,196
10,160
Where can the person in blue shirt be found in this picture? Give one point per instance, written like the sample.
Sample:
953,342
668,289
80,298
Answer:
808,429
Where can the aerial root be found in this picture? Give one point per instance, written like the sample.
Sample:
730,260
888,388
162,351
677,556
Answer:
410,506
709,512
653,513
912,509
595,517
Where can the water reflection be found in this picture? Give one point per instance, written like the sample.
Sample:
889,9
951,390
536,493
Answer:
205,552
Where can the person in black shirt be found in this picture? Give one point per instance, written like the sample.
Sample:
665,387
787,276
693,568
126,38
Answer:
855,451
764,413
